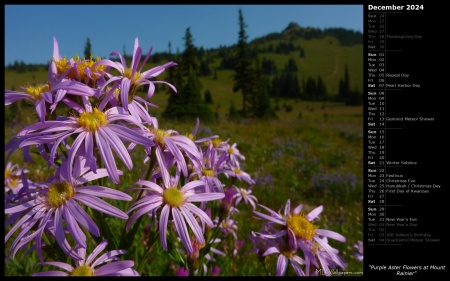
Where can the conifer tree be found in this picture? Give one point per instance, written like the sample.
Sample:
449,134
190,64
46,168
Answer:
344,87
321,89
187,104
243,67
260,104
87,49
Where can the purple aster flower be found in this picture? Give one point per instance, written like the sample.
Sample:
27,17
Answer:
41,94
92,124
236,172
75,69
246,196
13,180
69,87
107,264
228,226
234,155
18,191
359,253
131,78
210,168
38,95
59,201
59,66
216,143
13,187
176,205
171,148
286,255
310,239
138,107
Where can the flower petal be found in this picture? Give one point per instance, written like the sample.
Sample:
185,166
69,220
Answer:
193,224
163,221
107,156
182,231
203,197
82,217
74,229
282,264
200,213
51,273
62,265
113,267
100,205
116,144
143,210
100,247
314,213
105,192
60,236
331,234
271,250
109,256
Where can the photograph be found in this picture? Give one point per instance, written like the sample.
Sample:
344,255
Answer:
185,140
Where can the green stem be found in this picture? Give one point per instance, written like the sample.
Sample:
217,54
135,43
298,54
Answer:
265,266
149,247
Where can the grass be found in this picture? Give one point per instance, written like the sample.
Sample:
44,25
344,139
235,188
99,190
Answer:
312,154
324,57
314,160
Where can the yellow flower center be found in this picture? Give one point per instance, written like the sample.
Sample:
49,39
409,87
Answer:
160,135
237,170
133,77
190,136
128,73
208,172
62,65
216,142
8,173
84,270
59,193
92,120
36,91
230,150
224,225
243,192
301,226
13,182
173,197
81,76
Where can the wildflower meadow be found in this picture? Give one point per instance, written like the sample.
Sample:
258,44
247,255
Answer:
96,185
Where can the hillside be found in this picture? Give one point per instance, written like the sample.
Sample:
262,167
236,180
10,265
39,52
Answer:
315,52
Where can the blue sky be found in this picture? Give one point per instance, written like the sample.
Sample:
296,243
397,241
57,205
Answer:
29,29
